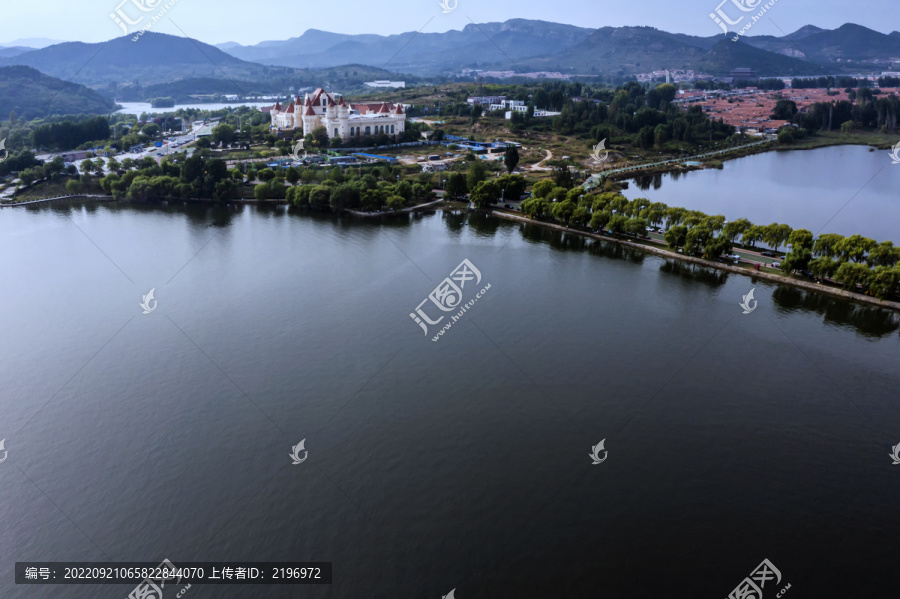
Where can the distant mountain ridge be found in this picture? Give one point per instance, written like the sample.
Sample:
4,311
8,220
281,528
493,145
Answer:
155,58
520,44
417,53
517,45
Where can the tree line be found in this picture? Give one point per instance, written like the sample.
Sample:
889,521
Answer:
856,262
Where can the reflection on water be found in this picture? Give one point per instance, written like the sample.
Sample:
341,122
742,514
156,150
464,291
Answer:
692,272
870,321
644,182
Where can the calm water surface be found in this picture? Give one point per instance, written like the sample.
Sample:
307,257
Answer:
461,463
139,108
842,189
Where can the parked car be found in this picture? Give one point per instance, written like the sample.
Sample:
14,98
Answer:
769,254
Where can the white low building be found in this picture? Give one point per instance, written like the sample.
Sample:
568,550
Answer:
385,83
340,119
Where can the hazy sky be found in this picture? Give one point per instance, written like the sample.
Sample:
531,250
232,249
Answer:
215,21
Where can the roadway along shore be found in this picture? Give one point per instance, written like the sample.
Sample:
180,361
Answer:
775,278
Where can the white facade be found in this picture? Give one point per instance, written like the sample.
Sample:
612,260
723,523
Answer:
347,121
517,105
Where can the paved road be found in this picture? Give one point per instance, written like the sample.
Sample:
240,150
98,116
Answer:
749,256
594,180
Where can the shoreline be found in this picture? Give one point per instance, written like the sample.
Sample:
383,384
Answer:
647,249
782,279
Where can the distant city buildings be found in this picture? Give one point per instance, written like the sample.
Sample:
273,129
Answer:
671,76
480,100
508,74
386,83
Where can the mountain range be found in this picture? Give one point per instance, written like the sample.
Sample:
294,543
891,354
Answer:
523,45
121,67
154,58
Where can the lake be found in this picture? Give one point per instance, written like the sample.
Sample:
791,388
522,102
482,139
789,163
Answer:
840,189
139,108
461,463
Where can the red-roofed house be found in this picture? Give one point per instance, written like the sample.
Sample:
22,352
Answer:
340,119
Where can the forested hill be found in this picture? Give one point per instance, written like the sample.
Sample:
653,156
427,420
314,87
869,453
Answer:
31,94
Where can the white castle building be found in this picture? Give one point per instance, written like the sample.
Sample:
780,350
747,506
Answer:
347,121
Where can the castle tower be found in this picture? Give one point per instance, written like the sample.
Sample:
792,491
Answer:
343,119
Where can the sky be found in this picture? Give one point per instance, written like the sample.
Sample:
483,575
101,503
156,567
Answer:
217,21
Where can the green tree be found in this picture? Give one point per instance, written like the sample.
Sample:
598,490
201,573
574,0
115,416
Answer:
223,133
617,223
581,216
457,187
476,174
636,226
562,177
736,228
823,267
883,281
513,186
542,188
825,245
600,219
74,187
800,238
855,247
784,110
563,211
696,239
485,194
676,235
776,234
884,254
396,202
320,197
511,158
716,246
852,274
534,207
